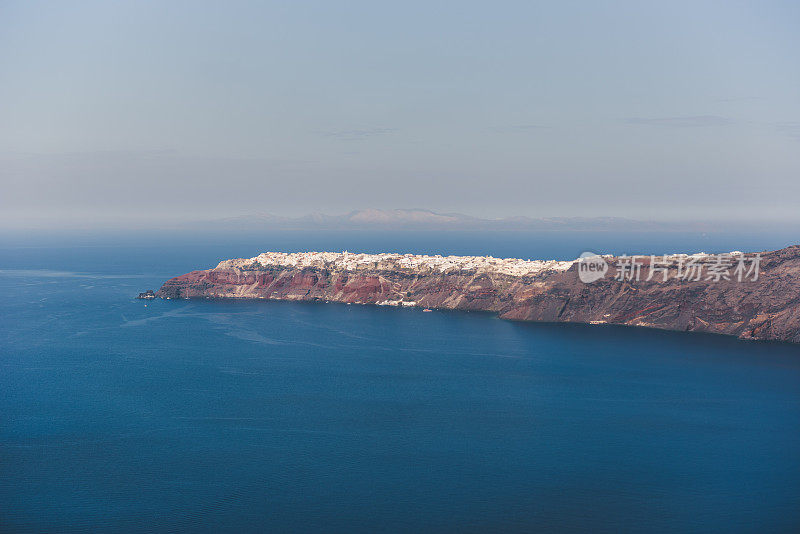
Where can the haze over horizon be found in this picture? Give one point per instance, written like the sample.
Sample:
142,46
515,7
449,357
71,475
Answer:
142,113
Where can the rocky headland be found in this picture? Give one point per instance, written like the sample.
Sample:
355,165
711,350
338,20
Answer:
752,296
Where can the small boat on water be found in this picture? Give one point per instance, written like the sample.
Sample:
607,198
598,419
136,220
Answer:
427,310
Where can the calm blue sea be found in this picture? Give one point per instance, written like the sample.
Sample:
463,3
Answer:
209,416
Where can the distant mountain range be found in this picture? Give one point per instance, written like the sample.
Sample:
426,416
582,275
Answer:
423,219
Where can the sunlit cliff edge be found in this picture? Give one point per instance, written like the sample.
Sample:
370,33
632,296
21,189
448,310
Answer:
763,303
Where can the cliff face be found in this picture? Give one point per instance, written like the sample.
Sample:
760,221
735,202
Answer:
675,293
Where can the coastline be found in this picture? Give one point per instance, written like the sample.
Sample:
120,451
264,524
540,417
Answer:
764,308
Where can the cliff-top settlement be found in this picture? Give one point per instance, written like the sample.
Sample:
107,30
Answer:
348,261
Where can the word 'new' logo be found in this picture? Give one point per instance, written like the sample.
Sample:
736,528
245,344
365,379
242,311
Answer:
591,267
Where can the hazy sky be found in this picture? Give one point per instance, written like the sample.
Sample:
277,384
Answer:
151,110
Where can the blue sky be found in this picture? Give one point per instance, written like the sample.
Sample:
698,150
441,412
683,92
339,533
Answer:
137,110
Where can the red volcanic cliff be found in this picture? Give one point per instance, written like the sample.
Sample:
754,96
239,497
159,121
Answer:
750,296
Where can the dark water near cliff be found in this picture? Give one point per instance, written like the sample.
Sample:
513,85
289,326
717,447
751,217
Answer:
241,416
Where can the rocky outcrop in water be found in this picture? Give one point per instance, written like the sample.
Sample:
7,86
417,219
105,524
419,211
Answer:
747,295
